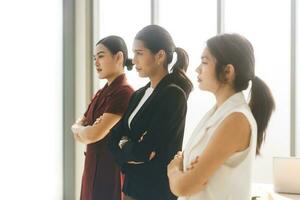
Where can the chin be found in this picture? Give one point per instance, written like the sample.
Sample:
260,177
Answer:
142,75
201,87
101,76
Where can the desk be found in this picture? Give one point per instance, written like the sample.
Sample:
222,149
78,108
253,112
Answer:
266,192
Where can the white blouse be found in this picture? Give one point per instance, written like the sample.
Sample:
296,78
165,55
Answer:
147,94
232,181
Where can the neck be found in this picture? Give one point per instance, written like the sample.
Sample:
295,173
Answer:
155,79
113,77
223,94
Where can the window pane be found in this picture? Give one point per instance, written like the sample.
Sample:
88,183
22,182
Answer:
269,33
31,100
190,25
125,19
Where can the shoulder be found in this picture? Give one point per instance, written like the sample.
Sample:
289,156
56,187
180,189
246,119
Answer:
236,119
235,128
124,90
173,90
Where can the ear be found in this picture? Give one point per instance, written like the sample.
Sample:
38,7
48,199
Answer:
160,57
119,57
229,73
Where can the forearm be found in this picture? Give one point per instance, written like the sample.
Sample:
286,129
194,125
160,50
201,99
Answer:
138,151
78,139
90,134
184,183
113,145
97,131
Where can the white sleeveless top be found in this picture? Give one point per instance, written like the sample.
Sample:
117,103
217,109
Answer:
232,181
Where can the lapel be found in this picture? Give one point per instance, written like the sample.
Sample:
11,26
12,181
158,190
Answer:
197,134
213,117
136,97
108,90
140,93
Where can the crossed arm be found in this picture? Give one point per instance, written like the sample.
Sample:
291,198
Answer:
95,132
160,130
231,136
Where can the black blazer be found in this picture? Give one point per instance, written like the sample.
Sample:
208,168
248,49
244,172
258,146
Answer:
162,120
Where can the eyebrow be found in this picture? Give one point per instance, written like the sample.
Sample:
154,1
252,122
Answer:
204,57
138,50
100,52
97,54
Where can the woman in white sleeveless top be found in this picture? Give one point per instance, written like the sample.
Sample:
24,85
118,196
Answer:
218,158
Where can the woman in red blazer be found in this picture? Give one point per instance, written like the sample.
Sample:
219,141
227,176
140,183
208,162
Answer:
101,177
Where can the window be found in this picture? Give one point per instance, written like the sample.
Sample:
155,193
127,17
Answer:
269,34
191,24
135,14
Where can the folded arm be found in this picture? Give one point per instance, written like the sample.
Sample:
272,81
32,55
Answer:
170,111
95,132
232,135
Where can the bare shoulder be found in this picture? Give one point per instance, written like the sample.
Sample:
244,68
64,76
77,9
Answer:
235,129
237,120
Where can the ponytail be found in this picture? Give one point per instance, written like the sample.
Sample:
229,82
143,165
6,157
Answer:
262,105
179,69
116,44
128,63
156,38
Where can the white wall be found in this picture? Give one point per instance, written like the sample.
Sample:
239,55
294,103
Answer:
31,99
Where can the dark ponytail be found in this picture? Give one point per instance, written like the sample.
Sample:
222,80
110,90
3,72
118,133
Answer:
262,104
180,67
236,50
156,38
116,44
129,64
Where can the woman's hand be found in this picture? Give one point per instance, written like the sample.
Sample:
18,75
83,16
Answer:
176,164
193,163
123,141
98,120
81,121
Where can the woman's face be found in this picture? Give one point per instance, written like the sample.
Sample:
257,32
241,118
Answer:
106,63
207,78
144,60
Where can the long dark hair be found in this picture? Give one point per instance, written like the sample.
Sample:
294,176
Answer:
236,50
115,44
156,38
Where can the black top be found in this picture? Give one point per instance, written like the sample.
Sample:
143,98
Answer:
162,120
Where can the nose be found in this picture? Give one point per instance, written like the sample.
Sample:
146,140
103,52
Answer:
134,59
96,61
198,69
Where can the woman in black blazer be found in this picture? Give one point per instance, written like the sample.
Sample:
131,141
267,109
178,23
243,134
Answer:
151,131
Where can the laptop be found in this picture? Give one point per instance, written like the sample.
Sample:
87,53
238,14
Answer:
286,174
